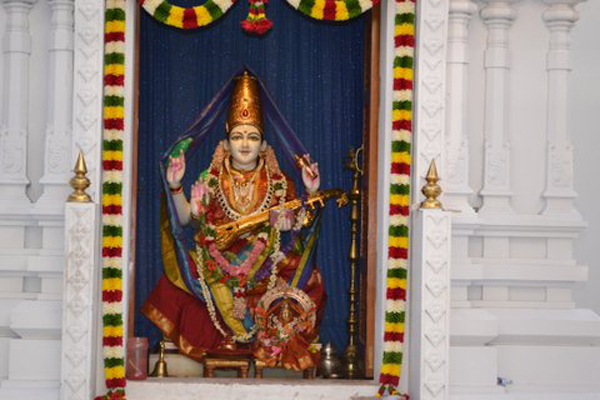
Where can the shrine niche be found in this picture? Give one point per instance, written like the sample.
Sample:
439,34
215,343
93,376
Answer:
222,295
183,107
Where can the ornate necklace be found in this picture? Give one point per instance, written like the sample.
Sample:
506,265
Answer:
244,193
224,202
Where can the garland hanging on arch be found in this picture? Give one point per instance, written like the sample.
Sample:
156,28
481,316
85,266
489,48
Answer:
256,22
395,310
186,17
333,10
112,200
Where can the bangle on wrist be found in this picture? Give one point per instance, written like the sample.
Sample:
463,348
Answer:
176,190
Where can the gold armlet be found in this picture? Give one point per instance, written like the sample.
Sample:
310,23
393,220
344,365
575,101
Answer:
176,190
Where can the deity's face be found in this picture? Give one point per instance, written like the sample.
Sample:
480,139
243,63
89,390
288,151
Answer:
245,143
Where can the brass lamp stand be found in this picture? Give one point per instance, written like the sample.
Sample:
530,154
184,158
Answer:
351,364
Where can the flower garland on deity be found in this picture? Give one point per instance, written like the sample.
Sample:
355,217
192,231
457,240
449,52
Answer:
213,265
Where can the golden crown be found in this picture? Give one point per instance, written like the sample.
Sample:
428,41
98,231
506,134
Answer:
244,108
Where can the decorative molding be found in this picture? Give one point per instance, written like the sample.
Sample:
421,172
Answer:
560,17
457,168
13,154
57,153
87,86
497,167
431,228
430,308
560,168
79,289
430,87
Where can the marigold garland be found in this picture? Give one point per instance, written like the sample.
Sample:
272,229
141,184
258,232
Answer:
112,191
186,17
333,10
256,22
399,197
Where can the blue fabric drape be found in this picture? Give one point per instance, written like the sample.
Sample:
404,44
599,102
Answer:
314,72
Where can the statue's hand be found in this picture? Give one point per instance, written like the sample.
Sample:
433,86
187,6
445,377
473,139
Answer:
285,223
311,183
175,170
199,198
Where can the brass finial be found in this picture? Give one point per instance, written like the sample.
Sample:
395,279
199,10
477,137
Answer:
431,190
160,368
79,182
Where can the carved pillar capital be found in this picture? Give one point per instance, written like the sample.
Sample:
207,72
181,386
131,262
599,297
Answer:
12,4
459,16
459,9
62,24
498,12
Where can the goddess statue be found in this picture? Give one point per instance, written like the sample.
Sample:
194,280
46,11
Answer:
243,285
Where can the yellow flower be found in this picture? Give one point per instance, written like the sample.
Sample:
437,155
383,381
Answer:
341,11
202,16
175,17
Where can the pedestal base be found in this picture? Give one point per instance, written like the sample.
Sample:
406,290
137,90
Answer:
269,389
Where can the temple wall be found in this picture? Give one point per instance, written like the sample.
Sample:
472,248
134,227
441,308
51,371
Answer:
520,94
35,141
525,276
584,108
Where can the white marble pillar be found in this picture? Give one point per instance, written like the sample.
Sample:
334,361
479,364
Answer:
559,17
57,158
498,17
430,306
80,303
15,110
87,98
457,190
430,84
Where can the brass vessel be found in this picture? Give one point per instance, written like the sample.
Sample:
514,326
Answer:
330,363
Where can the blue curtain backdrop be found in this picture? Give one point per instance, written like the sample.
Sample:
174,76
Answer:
313,70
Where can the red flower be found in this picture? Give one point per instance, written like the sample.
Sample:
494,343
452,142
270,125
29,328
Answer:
257,27
210,214
201,240
211,265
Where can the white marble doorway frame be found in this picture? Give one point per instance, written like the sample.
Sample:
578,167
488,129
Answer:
82,329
